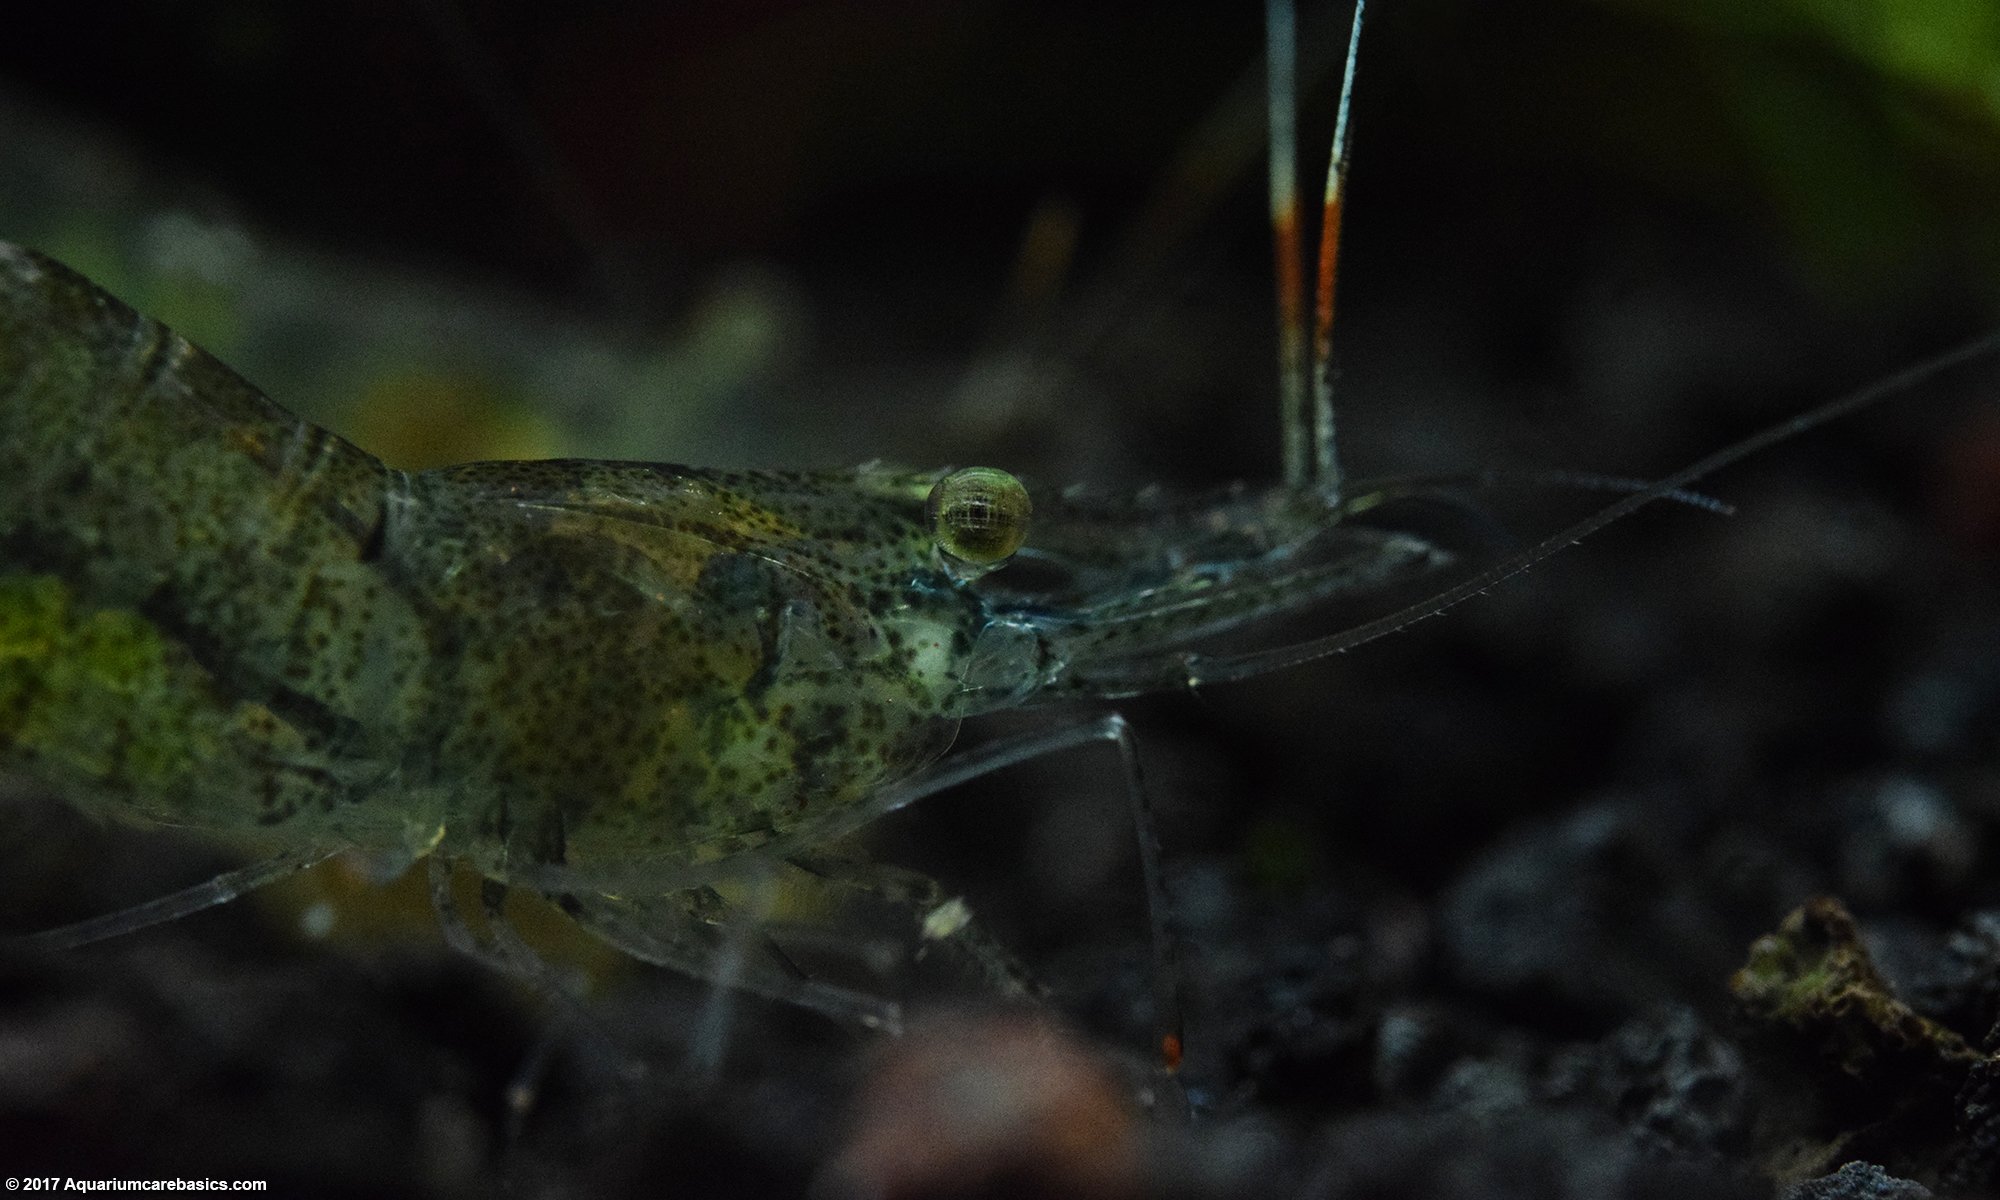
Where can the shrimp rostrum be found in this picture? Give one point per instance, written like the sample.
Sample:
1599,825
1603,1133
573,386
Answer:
626,686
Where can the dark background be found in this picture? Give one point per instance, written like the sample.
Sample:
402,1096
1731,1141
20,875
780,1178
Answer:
1603,237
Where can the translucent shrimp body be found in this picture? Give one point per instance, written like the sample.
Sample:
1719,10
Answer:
213,614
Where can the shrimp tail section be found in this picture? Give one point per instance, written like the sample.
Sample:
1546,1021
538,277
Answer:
189,623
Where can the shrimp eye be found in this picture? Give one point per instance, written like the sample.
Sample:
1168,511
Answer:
979,515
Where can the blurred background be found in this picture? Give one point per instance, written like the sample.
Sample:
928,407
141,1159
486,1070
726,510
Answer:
1601,236
741,232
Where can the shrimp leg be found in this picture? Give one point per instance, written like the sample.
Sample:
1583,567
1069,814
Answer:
501,948
220,890
941,918
1011,751
668,931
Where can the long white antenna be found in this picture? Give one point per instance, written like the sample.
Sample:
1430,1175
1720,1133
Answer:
1326,460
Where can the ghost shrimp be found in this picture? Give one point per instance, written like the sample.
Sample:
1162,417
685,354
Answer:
599,680
643,690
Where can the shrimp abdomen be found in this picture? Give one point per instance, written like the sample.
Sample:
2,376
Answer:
145,487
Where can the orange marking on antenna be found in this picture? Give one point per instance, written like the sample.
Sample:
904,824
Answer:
1170,1052
1329,267
1291,279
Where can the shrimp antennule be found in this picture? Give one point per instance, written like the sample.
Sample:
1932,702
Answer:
1168,671
1311,458
1281,57
1326,459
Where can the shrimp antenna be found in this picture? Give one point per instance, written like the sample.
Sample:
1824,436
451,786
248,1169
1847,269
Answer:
1326,461
189,900
1309,452
1281,51
1198,669
1373,493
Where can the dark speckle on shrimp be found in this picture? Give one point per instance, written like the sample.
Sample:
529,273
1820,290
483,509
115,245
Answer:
624,670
